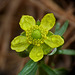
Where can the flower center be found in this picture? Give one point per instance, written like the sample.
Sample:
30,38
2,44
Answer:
36,34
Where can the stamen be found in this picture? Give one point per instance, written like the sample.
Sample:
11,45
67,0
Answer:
35,35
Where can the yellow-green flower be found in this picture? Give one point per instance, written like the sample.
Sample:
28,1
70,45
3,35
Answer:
39,36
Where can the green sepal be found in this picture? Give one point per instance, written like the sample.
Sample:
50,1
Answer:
49,33
23,33
30,47
46,48
23,54
38,22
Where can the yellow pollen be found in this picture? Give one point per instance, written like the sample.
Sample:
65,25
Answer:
41,42
30,42
38,44
36,40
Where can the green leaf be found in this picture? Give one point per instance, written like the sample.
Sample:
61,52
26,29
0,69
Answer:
66,52
63,29
38,22
57,26
48,69
33,72
29,69
61,71
41,71
53,51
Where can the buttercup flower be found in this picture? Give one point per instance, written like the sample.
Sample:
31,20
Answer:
38,36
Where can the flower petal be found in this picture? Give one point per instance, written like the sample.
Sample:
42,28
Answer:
36,53
26,22
46,48
54,41
19,43
48,21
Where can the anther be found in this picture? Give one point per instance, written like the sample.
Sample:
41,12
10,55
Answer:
38,44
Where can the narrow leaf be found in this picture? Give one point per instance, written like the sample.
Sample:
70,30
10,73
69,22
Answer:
63,29
48,69
57,26
61,71
30,67
33,72
66,52
41,71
